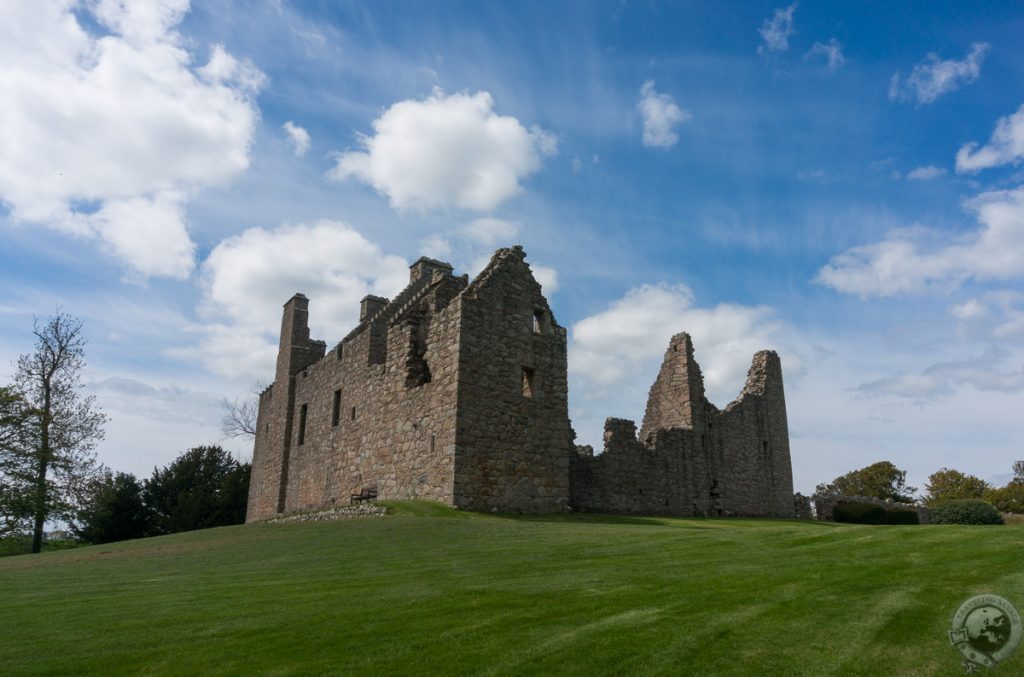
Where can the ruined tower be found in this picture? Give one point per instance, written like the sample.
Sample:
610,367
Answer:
456,391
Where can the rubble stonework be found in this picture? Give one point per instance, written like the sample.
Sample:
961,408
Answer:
456,391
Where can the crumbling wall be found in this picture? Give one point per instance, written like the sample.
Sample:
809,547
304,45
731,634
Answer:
691,458
457,392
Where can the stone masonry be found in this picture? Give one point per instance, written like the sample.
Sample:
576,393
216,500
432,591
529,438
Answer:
456,391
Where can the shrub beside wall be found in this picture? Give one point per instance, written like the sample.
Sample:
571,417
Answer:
902,516
966,511
859,513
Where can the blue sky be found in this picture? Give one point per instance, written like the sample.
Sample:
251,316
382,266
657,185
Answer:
838,181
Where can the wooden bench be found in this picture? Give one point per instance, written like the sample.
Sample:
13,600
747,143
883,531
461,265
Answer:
365,494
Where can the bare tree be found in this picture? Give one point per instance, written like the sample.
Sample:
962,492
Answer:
57,460
239,419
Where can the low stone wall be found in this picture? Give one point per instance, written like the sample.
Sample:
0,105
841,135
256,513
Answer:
343,513
824,506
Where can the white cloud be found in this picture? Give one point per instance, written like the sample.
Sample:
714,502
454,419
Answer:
944,378
776,30
100,131
832,51
661,115
248,277
490,232
298,136
436,246
547,277
926,173
446,151
627,340
996,316
933,77
1005,146
913,259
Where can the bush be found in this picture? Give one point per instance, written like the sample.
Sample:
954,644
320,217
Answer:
902,516
859,513
966,511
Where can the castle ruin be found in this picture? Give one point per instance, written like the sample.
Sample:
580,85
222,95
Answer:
456,391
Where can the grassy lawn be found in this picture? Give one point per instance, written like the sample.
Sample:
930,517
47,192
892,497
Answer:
433,591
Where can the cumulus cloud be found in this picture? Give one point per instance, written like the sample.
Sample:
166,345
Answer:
298,137
934,77
1005,146
248,277
776,30
626,341
661,115
913,259
446,151
926,173
831,51
944,378
108,136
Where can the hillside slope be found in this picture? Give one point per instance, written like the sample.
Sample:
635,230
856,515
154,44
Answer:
433,591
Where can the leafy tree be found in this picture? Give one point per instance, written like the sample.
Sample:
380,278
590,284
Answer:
1018,471
51,467
948,484
15,507
204,487
1009,498
879,480
114,510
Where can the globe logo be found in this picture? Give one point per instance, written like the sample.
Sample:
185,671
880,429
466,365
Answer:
986,630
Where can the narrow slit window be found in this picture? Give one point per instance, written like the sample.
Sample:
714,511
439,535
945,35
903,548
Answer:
336,408
538,322
529,384
352,414
764,449
302,424
432,440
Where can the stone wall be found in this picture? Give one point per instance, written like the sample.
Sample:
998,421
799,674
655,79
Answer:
691,458
457,392
514,437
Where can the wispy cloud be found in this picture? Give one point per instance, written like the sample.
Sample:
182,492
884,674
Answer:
926,173
831,51
934,77
945,378
776,30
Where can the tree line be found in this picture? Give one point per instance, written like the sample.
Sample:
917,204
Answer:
883,480
49,473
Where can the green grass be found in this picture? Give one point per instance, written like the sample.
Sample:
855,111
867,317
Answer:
429,590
